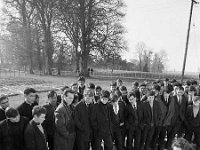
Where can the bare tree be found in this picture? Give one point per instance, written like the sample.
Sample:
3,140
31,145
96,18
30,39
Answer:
93,27
140,48
159,61
25,20
45,9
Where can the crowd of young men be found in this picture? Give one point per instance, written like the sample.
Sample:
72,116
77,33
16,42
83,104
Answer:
84,116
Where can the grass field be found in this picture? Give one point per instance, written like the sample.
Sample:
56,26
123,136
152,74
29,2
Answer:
12,85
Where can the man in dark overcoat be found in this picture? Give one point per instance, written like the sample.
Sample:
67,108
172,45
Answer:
12,130
64,123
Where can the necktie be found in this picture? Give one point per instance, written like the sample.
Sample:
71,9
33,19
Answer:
134,106
179,99
166,99
115,109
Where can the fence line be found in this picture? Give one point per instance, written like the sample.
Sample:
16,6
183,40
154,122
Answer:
131,75
11,73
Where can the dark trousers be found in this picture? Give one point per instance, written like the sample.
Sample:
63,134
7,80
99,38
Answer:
83,145
50,140
117,138
172,131
193,130
123,133
147,135
161,139
93,141
156,137
107,138
136,135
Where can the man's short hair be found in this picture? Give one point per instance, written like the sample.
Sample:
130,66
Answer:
114,98
11,112
105,93
194,82
181,88
51,94
188,82
182,143
157,87
91,85
98,88
27,91
123,88
68,90
167,90
81,78
2,97
192,88
150,93
136,83
166,79
38,110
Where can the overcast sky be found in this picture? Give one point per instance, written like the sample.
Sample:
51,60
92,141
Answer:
162,24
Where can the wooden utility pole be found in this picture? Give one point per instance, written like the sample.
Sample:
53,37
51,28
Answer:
187,41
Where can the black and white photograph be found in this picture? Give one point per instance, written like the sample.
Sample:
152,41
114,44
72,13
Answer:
99,75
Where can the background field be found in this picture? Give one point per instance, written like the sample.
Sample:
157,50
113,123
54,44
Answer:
14,86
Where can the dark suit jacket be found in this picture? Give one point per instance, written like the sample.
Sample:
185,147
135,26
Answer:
96,98
134,118
148,113
34,138
191,121
102,119
49,122
120,116
125,99
180,110
65,127
12,134
2,114
81,89
25,110
82,121
163,107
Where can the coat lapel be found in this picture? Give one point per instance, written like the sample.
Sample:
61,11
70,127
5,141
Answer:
38,130
102,109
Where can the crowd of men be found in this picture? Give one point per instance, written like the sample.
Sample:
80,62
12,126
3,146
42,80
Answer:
147,117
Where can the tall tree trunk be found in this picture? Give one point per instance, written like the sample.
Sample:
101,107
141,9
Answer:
48,49
27,36
38,50
77,57
84,66
30,48
85,37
